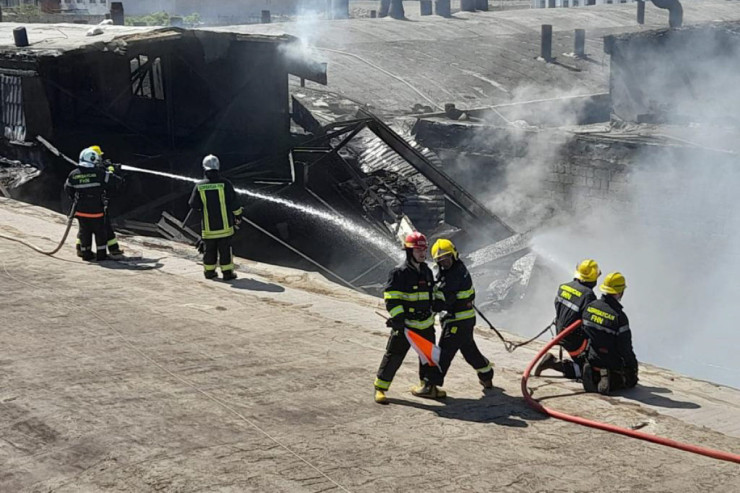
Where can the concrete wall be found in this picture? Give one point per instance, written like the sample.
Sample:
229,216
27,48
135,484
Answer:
588,170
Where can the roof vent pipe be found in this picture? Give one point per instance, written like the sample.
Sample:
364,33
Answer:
20,36
675,11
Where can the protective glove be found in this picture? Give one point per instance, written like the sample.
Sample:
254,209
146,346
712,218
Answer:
395,323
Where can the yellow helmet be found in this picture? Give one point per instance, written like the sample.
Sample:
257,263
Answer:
97,149
614,283
443,247
587,271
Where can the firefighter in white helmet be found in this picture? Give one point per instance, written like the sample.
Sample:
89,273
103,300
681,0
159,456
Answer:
214,197
87,185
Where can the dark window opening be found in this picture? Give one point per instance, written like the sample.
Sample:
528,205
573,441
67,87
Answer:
13,116
146,77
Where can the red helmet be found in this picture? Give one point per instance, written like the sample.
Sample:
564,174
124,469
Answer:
415,240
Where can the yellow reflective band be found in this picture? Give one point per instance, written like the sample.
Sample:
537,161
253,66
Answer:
214,235
400,295
485,369
420,324
464,315
382,384
461,295
112,242
206,225
438,295
396,311
239,211
79,241
228,266
209,267
222,202
574,291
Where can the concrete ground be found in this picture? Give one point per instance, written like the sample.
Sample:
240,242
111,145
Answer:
142,376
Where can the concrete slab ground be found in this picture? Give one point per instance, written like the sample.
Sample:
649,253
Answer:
143,376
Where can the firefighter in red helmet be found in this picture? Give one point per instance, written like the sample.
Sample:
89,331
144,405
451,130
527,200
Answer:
408,299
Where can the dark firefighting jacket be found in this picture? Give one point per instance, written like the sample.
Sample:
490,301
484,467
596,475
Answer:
454,294
90,186
216,199
408,296
571,300
609,334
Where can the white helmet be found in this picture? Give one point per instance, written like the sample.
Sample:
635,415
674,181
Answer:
211,162
89,158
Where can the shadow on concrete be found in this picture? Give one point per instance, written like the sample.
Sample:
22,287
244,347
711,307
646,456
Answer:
252,285
651,396
132,264
494,406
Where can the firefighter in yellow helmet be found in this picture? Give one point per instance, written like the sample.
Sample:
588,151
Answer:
611,363
570,302
453,298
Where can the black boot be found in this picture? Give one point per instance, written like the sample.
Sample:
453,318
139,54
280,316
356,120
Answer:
229,275
589,383
549,362
210,274
603,386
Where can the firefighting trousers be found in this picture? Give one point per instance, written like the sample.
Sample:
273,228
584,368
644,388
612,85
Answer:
458,336
218,253
110,236
395,352
92,227
621,378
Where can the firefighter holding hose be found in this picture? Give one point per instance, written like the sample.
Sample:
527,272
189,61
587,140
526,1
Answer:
611,363
570,302
87,185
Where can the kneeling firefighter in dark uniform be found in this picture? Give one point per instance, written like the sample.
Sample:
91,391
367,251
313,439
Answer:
454,295
408,299
570,302
611,363
216,199
87,185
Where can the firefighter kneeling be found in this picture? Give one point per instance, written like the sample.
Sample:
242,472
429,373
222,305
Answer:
215,198
610,361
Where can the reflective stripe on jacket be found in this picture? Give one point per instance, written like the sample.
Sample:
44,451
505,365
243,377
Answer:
609,335
216,199
454,293
408,295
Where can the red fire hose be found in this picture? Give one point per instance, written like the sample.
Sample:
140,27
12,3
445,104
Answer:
715,454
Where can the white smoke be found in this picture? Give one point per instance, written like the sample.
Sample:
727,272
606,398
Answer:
674,230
